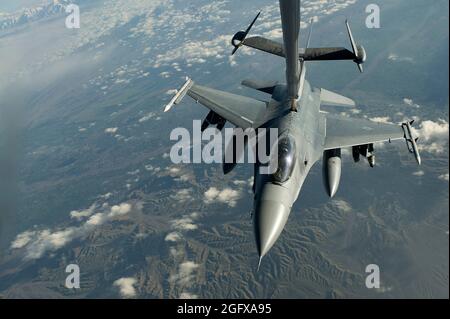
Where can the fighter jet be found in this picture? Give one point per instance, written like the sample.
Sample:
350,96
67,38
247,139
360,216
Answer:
306,132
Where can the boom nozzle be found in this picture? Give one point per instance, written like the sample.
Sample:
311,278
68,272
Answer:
239,37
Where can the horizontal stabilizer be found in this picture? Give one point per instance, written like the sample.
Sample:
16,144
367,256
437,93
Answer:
265,45
326,54
334,99
309,54
263,86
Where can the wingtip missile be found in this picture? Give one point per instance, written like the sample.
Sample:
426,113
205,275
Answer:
179,94
411,141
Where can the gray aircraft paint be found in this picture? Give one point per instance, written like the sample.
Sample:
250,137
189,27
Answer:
294,109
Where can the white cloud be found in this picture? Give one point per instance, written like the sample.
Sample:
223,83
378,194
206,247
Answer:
126,287
185,274
433,148
396,58
185,278
226,196
152,169
101,21
116,210
433,136
173,236
183,195
22,239
106,196
443,177
175,252
80,214
165,74
135,172
430,130
119,210
180,174
195,52
185,223
238,182
410,102
111,130
37,242
188,295
269,24
180,225
275,33
342,205
385,120
174,170
419,173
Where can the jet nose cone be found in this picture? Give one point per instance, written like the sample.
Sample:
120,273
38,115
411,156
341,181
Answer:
269,220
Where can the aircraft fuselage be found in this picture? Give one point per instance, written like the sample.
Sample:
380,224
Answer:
305,129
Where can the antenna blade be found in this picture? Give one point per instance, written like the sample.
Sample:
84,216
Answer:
352,41
360,67
310,32
253,22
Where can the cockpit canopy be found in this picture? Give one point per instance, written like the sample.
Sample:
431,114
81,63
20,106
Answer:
287,154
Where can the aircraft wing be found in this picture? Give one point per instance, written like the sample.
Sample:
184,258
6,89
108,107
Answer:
346,132
308,54
239,110
265,45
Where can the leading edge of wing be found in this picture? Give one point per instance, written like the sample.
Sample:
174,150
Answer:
347,132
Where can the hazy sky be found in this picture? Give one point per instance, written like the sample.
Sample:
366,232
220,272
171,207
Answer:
14,5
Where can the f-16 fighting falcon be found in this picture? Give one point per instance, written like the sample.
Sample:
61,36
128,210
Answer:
305,132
